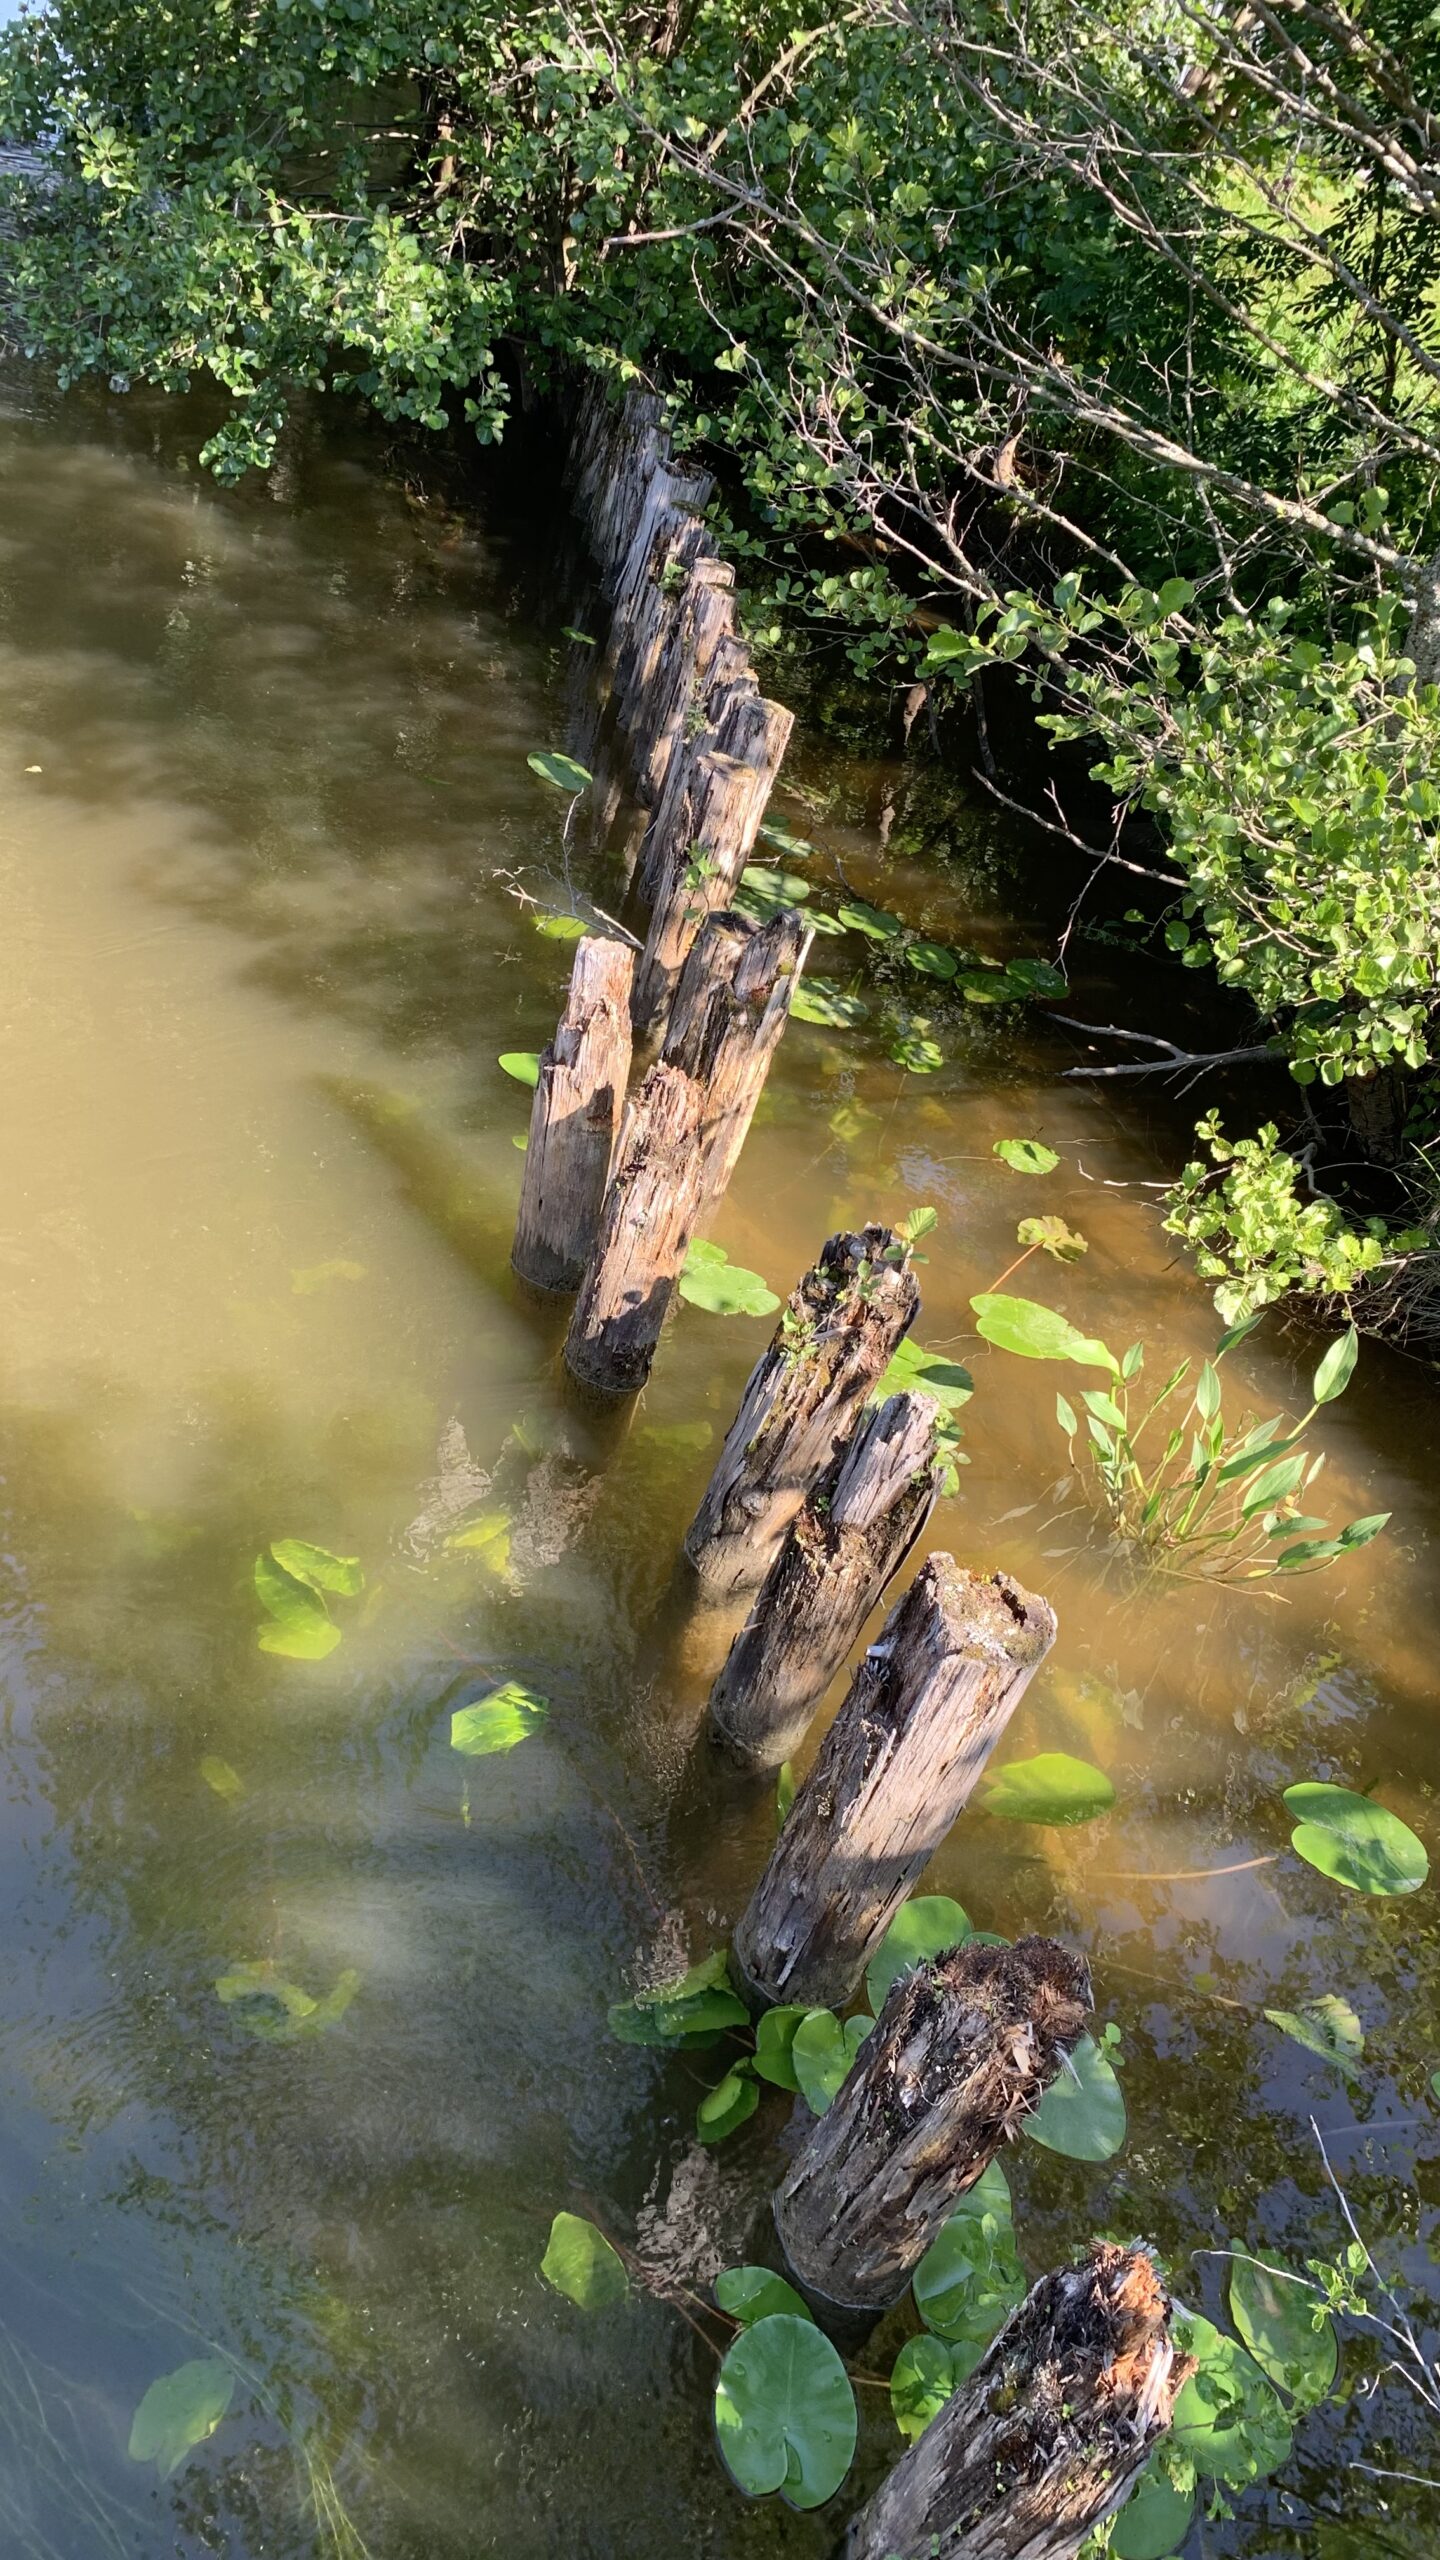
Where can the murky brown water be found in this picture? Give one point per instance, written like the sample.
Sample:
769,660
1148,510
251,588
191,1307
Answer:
265,814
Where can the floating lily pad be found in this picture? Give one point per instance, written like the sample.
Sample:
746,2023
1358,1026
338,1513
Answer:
1062,1243
560,928
318,1567
562,771
580,2263
498,1722
722,1287
1355,1841
876,923
1154,2520
1276,2316
931,959
727,2107
1082,2114
754,2293
1228,2418
1026,1155
300,1624
927,1925
913,1049
180,2411
1037,1333
971,2278
926,2373
1052,1789
785,2412
822,2052
522,1064
912,1369
1328,2026
819,1000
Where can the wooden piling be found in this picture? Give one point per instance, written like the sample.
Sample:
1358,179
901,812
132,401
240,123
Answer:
804,1396
723,804
1045,2439
731,1007
645,1229
964,2047
575,1119
848,1540
927,1704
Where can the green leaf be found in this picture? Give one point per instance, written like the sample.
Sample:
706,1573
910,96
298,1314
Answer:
1337,1368
774,2036
913,1370
1275,2316
180,2411
785,840
522,1064
754,2293
970,2278
765,893
1062,1243
301,1626
932,959
926,2373
1082,2114
219,1775
821,2053
784,1792
497,1723
1026,1155
561,928
820,1000
919,1224
487,1537
1228,2419
689,2010
1066,1416
1327,2026
727,2107
927,1925
1154,2519
1037,1333
580,2263
1052,1788
875,922
722,1287
785,2412
562,771
277,2011
569,632
1037,977
912,1049
318,1567
1274,1484
1355,1841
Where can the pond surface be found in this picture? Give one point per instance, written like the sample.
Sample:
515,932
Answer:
270,847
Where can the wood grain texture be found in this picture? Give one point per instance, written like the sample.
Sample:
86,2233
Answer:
575,1119
645,1231
729,1014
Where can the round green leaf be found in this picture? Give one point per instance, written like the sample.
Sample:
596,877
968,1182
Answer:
722,1287
932,959
819,1000
1037,977
560,928
913,1050
727,2107
1026,1155
1227,2417
522,1064
988,986
301,1626
754,2293
498,1722
318,1567
780,888
821,2053
923,2377
876,923
1355,1841
562,771
1154,2519
774,2037
910,1368
970,2277
580,2263
180,2411
1328,2026
1082,2114
1275,2317
1036,1332
924,1926
1052,1788
785,2412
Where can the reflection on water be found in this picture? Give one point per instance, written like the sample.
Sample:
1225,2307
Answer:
265,815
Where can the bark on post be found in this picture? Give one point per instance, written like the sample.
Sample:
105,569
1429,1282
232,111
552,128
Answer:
665,711
834,1338
964,2047
848,1540
722,809
645,1230
926,1707
575,1120
730,1009
687,824
1046,2438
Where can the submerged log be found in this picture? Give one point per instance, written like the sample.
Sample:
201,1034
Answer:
964,2047
730,1009
848,1540
645,1230
927,1704
1045,2439
575,1119
833,1341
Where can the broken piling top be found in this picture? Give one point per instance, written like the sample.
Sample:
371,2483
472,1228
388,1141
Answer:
804,1398
925,1708
1045,2439
575,1119
965,2045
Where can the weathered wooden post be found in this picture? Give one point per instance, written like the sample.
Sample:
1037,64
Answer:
965,2046
575,1119
705,616
715,817
645,1229
750,729
847,1541
834,1338
927,1704
1046,2438
730,1009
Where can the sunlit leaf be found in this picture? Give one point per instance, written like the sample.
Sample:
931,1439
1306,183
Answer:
913,1370
276,2011
722,1287
1037,1333
914,1050
765,893
988,986
819,1000
488,1537
180,2411
496,1723
724,2109
522,1064
1026,1155
925,2374
932,959
1276,2317
822,2052
1053,1237
1052,1788
569,632
1037,977
300,1624
1154,2520
318,1567
971,2278
580,2263
876,923
754,2293
784,1791
1337,1368
1327,2026
775,2033
1355,1841
785,2412
785,840
688,2010
1082,2114
927,1925
1227,2416
562,771
561,928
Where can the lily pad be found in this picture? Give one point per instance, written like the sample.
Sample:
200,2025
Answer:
926,2373
1026,1155
1154,2519
913,1049
820,1000
1355,1841
822,2052
1052,1789
690,2011
970,2278
931,959
580,2263
562,771
876,923
1082,2114
775,2035
561,928
785,2412
522,1064
318,1567
724,2109
722,1287
754,2293
1328,2026
180,2411
1037,977
925,1926
1052,1235
300,1624
1275,2316
1228,2418
912,1369
497,1723
487,1536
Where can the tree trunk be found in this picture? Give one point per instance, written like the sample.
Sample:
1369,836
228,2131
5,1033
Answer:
575,1120
1422,640
964,2047
848,1540
834,1339
730,1009
926,1707
645,1230
1046,2438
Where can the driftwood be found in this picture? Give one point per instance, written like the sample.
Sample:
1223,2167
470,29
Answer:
927,1704
645,1230
730,1009
575,1120
963,2048
834,1339
848,1540
1046,2438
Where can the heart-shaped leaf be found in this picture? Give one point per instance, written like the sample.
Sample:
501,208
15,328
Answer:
775,2035
925,1926
318,1567
580,2263
754,2293
913,1370
820,1000
876,923
300,1624
180,2411
1052,1235
785,2412
925,2374
1037,1333
1026,1155
822,2052
1355,1841
727,2107
932,959
722,1287
1082,2114
1276,2317
562,771
561,928
912,1048
1052,1788
1228,2419
1154,2519
498,1722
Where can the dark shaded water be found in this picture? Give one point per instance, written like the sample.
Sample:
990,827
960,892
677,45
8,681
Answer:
268,846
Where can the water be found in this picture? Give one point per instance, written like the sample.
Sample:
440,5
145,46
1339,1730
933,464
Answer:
266,816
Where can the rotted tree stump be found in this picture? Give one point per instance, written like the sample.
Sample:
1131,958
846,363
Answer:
1048,2435
926,1707
834,1339
964,2047
848,1540
730,1011
645,1229
575,1119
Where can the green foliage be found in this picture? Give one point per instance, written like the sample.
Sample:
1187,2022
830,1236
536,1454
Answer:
785,2412
1082,2114
1051,1788
561,771
1155,2518
1290,2336
725,2108
1355,1841
1062,1243
496,1723
911,1368
690,2010
775,2033
1328,2026
275,2011
580,2263
924,2375
970,2278
522,1064
821,2053
1252,1233
711,1280
1026,1155
820,1000
291,1581
1035,1332
1228,2418
926,1925
180,2411
749,2294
